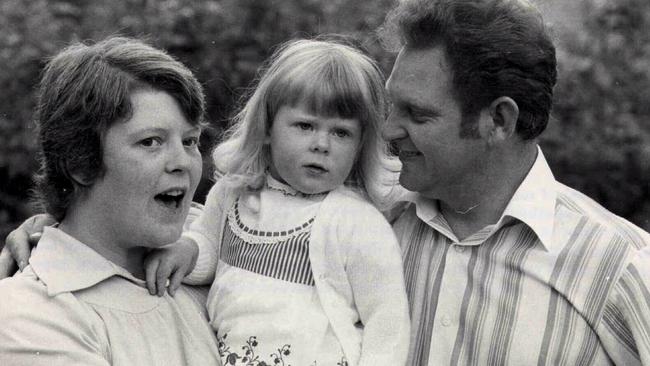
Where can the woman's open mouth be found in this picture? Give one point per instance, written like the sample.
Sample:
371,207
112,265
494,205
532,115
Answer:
172,198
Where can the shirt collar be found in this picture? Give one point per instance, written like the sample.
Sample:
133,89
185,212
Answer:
65,264
533,203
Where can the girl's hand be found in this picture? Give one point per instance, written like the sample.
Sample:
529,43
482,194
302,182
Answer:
167,266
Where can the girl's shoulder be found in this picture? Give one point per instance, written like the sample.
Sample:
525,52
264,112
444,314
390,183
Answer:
222,194
350,205
350,196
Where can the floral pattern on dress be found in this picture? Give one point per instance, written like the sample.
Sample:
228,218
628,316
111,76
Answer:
248,357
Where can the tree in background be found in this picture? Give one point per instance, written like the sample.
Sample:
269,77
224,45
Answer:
222,41
598,142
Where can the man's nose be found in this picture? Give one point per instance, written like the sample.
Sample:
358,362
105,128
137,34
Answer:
392,128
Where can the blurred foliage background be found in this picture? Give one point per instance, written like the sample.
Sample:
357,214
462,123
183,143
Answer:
598,140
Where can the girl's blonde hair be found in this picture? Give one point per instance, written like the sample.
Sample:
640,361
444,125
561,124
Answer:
330,79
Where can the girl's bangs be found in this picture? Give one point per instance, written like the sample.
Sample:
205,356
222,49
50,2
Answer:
323,95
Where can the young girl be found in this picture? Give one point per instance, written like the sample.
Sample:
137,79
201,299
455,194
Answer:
305,270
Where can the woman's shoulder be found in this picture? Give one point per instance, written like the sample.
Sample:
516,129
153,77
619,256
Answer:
26,301
32,319
21,285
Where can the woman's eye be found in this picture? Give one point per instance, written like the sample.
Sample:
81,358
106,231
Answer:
151,142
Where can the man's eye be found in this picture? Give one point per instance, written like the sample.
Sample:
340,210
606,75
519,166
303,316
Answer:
151,142
419,119
418,116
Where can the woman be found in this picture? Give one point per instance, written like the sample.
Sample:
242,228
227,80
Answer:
119,123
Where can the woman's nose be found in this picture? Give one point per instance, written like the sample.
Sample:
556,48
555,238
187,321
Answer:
179,158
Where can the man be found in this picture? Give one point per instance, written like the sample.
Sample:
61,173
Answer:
503,265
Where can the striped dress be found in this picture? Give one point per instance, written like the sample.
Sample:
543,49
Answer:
263,301
557,280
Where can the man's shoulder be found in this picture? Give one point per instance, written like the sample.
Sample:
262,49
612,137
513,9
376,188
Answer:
582,208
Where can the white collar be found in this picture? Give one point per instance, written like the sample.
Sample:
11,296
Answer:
533,203
65,264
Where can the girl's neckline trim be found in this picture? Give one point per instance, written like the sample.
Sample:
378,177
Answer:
261,236
275,185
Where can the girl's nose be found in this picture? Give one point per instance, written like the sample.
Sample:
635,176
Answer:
321,143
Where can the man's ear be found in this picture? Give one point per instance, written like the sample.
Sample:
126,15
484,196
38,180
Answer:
503,115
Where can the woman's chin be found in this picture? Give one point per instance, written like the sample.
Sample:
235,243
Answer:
162,237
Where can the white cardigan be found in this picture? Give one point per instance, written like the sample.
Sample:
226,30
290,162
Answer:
357,270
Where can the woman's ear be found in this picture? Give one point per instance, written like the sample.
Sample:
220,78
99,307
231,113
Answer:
81,179
77,178
504,114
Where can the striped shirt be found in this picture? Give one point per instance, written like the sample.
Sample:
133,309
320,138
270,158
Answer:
558,280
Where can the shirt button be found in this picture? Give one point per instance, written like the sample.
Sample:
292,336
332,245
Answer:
445,321
459,248
322,277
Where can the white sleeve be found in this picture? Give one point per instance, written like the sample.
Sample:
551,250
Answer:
374,269
205,230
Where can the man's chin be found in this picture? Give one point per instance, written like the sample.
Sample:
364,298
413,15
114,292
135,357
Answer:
407,181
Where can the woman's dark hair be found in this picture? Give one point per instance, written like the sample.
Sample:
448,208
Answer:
84,90
494,47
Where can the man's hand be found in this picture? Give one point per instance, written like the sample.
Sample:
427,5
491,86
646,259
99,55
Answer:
166,267
19,243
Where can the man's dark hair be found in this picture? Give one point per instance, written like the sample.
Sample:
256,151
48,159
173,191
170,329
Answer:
85,89
494,48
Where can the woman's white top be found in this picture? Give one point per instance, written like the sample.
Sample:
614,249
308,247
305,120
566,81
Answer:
71,306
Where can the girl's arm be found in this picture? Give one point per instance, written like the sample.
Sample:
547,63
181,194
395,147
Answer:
166,267
193,258
374,269
206,231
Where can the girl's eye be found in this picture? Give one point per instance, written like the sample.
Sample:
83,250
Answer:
151,142
191,142
341,133
303,126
